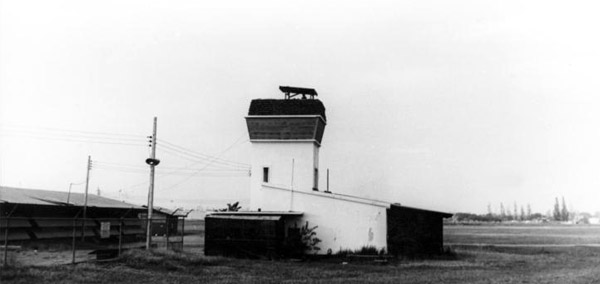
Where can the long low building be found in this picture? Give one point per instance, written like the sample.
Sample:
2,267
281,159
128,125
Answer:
32,215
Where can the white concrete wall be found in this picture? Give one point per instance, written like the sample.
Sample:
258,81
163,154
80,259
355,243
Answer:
343,222
278,157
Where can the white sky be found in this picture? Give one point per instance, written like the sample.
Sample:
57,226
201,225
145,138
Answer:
445,105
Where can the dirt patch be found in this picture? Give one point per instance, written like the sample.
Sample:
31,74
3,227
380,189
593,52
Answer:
57,255
47,258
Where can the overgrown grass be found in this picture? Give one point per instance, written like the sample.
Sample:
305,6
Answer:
134,266
363,251
160,260
11,260
471,266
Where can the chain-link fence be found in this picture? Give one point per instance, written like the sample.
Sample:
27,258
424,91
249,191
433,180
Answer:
78,239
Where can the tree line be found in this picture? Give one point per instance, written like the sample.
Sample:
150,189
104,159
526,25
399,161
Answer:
560,214
517,213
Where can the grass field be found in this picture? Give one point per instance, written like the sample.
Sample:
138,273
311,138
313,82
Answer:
483,254
523,235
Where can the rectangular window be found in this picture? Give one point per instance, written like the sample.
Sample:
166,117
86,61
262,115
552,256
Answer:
265,174
316,180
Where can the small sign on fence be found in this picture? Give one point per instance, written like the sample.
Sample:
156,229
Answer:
104,230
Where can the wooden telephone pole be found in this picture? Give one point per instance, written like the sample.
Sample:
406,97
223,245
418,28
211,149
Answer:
152,161
87,183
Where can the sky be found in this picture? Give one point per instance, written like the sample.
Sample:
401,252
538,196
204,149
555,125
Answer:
444,105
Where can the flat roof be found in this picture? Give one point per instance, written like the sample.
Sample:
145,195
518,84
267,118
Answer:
444,214
246,217
258,213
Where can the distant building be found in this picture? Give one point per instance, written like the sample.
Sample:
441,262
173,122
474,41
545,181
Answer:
287,190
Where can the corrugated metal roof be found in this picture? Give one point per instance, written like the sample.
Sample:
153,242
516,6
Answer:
47,197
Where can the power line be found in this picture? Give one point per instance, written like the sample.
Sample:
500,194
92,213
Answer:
136,168
202,159
220,154
71,135
73,131
72,138
185,173
196,161
199,156
218,167
101,163
79,140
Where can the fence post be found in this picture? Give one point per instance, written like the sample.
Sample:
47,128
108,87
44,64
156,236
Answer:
74,236
182,232
168,225
6,235
6,241
120,235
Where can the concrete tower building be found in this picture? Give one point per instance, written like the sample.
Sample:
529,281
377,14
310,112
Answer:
286,136
286,193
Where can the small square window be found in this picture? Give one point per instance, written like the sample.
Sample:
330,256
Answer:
316,180
265,174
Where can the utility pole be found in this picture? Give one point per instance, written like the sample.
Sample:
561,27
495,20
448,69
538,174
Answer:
152,161
292,189
87,184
